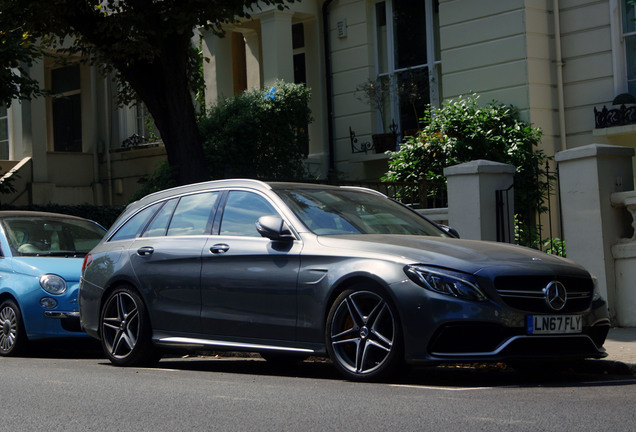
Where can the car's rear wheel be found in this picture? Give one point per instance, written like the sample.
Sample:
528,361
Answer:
13,338
125,329
363,334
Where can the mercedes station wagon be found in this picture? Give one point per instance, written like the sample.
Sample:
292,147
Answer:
295,270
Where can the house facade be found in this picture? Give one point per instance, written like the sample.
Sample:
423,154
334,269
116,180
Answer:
556,61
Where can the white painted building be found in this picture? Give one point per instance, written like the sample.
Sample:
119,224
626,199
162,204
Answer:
556,60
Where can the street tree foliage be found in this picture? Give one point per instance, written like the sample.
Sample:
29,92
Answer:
146,44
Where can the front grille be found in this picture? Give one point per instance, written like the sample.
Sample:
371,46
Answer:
525,293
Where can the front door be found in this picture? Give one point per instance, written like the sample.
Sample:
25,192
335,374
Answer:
249,282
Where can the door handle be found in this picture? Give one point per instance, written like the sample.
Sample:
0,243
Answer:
219,248
146,250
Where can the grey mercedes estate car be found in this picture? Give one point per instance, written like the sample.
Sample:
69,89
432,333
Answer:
294,270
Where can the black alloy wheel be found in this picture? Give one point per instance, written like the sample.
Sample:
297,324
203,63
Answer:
363,335
125,329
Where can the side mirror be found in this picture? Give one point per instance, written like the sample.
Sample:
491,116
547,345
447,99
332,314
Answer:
450,231
273,228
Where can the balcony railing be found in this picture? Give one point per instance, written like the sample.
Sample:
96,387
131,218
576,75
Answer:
624,115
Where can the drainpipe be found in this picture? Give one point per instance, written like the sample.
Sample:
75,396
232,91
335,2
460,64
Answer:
559,73
329,85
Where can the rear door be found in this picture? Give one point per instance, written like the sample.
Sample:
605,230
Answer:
166,259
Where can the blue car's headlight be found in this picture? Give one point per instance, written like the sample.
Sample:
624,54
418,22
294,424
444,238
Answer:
53,284
445,282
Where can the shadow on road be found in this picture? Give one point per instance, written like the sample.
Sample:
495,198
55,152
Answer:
584,373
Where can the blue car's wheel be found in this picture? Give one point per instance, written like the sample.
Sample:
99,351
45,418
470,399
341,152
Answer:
12,335
125,329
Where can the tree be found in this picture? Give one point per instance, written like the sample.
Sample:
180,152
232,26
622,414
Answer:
147,44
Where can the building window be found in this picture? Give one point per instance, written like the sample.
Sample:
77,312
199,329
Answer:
66,108
4,132
629,36
408,57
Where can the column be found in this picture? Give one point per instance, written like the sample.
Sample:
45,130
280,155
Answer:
472,197
218,72
588,176
278,54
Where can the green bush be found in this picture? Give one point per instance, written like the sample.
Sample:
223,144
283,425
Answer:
461,131
258,133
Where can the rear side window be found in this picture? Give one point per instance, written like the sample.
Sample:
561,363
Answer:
159,224
193,215
134,225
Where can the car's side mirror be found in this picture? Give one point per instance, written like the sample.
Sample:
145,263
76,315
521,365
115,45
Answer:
450,231
273,228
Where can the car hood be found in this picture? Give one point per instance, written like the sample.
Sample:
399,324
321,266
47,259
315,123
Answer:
469,256
67,268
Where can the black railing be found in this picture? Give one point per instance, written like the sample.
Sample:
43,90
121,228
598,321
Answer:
621,116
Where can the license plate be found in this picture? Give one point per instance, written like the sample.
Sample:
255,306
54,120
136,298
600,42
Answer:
554,324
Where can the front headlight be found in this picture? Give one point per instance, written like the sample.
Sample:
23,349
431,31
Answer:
53,284
445,282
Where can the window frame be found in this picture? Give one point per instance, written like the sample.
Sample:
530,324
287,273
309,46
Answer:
68,93
7,119
434,72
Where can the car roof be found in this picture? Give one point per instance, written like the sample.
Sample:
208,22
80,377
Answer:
247,183
33,213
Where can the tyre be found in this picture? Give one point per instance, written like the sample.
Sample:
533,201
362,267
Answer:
125,329
13,339
363,334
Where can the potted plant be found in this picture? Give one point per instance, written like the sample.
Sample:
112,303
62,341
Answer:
376,94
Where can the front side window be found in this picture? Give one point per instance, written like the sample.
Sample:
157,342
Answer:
242,211
4,132
66,109
629,36
408,58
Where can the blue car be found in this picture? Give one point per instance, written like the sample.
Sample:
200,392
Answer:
41,257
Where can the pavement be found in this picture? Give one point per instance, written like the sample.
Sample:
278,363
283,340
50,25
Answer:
621,345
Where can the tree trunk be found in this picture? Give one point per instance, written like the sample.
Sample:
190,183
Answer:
164,88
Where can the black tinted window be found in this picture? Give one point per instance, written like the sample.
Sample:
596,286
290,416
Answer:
242,210
159,224
192,215
135,224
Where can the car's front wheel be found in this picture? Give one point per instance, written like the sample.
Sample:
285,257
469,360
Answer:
363,334
125,329
13,338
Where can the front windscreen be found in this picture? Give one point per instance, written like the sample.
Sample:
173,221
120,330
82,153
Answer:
351,211
51,236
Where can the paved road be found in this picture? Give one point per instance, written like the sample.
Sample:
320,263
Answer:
84,392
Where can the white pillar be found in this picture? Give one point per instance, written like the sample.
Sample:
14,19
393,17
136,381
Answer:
276,34
252,59
588,176
472,208
218,72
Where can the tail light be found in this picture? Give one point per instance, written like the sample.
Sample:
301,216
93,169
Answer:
88,259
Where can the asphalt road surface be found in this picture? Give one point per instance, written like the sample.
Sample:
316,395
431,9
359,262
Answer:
80,391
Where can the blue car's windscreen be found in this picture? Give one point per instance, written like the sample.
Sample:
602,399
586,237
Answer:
39,236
